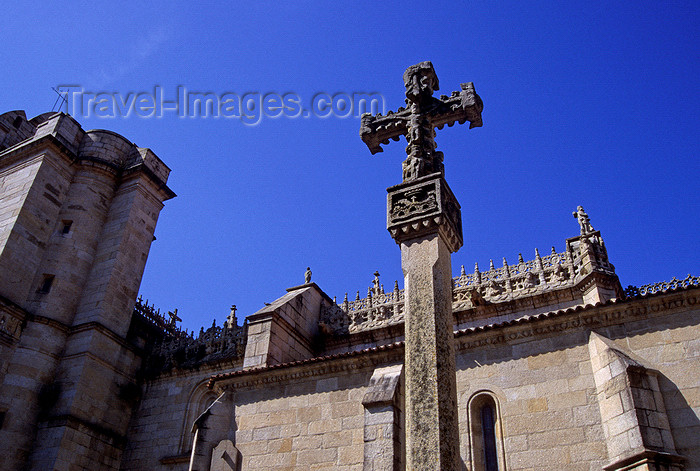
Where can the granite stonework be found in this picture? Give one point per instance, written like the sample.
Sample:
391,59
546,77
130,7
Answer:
553,365
77,215
423,216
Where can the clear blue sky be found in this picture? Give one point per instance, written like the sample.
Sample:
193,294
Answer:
585,103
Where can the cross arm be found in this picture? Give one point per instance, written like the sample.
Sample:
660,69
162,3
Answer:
378,129
461,106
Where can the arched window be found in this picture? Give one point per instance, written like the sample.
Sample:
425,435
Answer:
200,399
485,433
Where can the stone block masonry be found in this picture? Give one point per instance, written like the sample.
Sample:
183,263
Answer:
77,222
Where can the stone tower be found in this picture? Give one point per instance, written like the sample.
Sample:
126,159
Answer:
77,221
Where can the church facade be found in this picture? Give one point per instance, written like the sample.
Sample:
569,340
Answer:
556,366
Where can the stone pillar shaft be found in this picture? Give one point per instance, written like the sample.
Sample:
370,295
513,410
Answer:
432,438
423,216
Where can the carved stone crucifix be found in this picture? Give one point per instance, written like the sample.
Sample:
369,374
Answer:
424,218
419,120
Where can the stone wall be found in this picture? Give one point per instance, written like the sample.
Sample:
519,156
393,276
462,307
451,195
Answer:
160,432
309,424
541,375
555,408
78,214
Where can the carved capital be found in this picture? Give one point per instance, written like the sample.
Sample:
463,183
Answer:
424,206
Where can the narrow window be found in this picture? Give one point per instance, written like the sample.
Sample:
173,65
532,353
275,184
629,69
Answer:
66,227
17,122
486,453
488,427
46,283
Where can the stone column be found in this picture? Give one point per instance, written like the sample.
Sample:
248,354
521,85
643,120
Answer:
424,218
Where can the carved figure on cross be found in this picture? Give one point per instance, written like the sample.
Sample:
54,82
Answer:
418,121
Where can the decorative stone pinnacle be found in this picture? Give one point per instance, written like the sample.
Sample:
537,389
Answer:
232,321
307,275
520,258
419,120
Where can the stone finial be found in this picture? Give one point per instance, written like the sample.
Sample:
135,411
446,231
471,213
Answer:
462,272
396,285
491,267
231,320
505,264
476,267
537,253
583,221
307,275
554,251
520,258
375,281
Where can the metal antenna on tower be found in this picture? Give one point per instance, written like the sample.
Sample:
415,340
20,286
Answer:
60,99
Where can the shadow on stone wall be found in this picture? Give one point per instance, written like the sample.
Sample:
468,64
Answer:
684,422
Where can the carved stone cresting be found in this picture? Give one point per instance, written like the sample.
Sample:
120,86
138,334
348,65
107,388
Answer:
556,271
510,282
377,310
213,344
418,121
663,286
179,349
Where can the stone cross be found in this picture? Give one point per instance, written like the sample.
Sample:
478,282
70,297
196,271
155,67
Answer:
419,120
424,218
174,318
